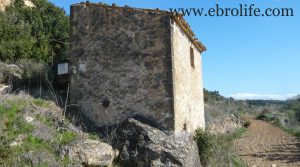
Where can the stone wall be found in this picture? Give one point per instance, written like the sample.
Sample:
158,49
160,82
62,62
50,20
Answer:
188,87
121,64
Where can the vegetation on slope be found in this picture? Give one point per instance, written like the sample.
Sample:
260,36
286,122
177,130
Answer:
36,33
30,134
217,149
285,114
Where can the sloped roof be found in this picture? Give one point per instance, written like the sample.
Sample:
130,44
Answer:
178,18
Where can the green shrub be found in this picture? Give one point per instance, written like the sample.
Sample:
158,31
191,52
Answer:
262,117
94,136
217,150
41,102
45,120
32,68
236,134
66,161
247,124
67,137
206,143
13,126
293,131
4,149
29,33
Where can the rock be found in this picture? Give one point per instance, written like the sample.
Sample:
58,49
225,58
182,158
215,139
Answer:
5,3
41,158
142,145
29,3
4,89
227,124
90,152
18,141
42,131
28,119
8,70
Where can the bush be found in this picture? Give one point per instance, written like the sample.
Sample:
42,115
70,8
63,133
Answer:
33,33
217,150
247,124
293,131
67,137
32,69
206,144
262,117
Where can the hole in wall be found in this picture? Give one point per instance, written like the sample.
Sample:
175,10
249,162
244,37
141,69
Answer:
184,126
105,101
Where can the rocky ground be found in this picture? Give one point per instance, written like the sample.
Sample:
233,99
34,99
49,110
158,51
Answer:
35,132
265,145
221,123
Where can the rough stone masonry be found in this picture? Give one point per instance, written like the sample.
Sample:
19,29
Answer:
128,62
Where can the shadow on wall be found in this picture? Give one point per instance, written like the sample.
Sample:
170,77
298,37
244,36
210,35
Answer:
77,117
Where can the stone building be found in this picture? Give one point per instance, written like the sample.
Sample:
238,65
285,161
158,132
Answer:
141,63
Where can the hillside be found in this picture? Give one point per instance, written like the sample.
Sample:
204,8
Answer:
266,145
35,132
285,114
271,142
38,126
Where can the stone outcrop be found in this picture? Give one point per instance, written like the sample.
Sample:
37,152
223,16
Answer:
90,153
142,145
9,70
4,88
5,3
225,125
40,158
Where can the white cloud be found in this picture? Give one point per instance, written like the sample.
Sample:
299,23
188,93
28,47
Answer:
253,96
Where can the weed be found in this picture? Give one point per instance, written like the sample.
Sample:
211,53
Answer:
294,132
206,144
217,150
93,136
247,124
66,161
237,134
41,103
66,137
44,120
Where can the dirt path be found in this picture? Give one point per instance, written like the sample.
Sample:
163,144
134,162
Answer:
265,145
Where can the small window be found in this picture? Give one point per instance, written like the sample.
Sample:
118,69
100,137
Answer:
184,126
192,57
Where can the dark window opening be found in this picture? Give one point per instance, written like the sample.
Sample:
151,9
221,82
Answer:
105,103
192,57
184,126
104,100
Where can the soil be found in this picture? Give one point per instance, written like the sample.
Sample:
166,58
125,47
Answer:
265,145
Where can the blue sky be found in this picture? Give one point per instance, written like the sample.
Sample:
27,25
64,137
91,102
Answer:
256,57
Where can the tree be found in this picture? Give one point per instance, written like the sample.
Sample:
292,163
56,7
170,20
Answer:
33,33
